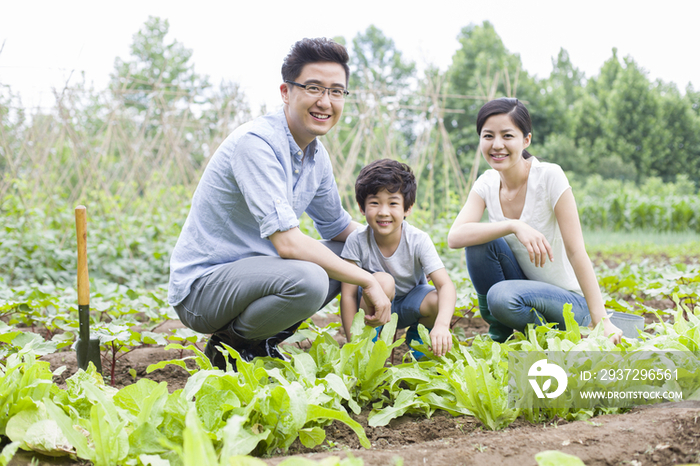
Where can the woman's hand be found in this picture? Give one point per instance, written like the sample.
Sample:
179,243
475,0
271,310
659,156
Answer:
535,242
611,331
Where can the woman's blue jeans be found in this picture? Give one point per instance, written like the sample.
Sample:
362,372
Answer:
514,301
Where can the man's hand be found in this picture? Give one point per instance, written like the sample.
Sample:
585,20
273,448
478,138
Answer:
378,305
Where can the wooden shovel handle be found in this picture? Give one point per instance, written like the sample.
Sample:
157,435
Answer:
83,278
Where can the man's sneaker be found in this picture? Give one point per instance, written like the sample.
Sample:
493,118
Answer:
413,336
268,347
218,359
247,349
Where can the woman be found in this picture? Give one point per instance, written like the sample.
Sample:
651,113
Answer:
529,259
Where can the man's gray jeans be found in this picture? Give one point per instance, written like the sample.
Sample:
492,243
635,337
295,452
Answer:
262,295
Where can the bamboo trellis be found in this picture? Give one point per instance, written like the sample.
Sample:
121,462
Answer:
125,155
375,134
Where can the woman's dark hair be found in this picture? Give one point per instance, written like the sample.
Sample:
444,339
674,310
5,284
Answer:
386,174
513,108
308,51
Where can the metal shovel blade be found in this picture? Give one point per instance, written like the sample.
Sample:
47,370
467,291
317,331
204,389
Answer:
87,349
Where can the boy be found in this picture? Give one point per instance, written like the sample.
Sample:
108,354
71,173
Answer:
399,255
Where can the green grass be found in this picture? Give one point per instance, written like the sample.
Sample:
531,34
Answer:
612,238
639,245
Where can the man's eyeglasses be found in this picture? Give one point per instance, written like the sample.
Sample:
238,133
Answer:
315,90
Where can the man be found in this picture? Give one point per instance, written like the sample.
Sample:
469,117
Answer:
241,269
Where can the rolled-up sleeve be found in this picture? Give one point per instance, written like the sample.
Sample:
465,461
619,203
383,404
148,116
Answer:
326,210
261,178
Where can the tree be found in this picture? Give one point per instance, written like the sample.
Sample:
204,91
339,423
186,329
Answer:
566,78
482,69
376,121
679,151
692,98
593,127
157,70
12,124
171,117
626,127
557,96
602,85
377,64
382,79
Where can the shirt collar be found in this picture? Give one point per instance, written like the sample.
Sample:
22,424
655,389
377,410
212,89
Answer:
294,148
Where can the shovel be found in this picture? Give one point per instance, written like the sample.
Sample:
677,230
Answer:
88,349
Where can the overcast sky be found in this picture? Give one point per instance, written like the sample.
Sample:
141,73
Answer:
47,43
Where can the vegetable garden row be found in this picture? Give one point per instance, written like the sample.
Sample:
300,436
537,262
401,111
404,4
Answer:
268,404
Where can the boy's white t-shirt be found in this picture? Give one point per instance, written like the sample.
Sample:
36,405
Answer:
545,184
414,258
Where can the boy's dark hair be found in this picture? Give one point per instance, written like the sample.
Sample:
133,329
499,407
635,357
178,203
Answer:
386,174
308,51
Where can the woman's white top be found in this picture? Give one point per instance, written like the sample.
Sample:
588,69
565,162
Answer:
545,184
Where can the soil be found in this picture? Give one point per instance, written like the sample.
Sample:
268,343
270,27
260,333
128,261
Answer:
667,434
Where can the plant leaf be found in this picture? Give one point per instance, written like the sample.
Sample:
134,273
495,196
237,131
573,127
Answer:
311,437
318,412
557,458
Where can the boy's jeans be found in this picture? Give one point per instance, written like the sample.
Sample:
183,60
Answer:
513,300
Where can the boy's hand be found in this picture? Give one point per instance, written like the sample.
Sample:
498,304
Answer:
440,340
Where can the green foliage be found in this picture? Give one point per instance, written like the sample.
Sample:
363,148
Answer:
617,124
228,414
378,117
157,66
161,92
644,281
135,150
132,159
557,458
654,206
482,69
562,150
376,63
8,452
631,128
37,244
24,382
269,403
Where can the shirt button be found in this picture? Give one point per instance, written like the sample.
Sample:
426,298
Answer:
299,153
296,171
278,201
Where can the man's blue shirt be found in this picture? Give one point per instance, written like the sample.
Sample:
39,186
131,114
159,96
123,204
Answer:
256,183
